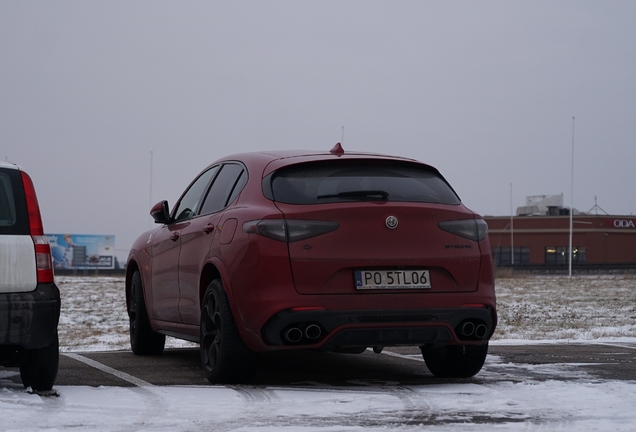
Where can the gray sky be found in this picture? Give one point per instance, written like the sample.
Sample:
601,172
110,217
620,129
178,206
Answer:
485,91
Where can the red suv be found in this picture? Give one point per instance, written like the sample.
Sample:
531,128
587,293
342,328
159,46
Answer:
333,251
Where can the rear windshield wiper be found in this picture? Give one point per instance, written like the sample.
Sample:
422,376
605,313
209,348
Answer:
383,195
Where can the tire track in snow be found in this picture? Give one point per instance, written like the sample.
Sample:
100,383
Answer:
153,400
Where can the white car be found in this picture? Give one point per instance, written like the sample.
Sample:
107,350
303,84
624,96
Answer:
29,298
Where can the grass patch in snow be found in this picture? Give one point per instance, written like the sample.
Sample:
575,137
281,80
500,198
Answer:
94,316
558,307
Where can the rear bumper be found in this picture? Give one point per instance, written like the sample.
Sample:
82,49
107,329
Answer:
378,328
29,320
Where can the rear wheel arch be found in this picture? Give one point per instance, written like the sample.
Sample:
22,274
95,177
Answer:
209,273
215,269
212,271
224,356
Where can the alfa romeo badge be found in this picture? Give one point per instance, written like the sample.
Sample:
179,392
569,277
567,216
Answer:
392,222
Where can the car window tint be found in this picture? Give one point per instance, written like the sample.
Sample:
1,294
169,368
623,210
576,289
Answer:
338,182
13,213
238,187
7,203
224,187
190,200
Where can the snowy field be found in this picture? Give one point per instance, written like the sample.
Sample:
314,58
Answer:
530,308
596,309
94,316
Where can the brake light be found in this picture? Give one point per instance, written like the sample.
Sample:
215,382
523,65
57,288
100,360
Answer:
35,221
472,229
43,261
289,230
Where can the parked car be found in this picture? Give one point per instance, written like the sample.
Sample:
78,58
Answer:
331,250
29,298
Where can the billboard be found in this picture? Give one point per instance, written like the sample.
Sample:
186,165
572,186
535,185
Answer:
82,251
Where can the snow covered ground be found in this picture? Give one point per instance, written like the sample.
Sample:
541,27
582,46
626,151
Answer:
552,405
558,307
592,308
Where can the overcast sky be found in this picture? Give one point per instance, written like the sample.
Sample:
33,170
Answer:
483,90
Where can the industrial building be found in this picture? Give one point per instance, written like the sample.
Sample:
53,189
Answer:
539,235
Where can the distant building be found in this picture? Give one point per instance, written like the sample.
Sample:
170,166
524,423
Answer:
540,235
544,205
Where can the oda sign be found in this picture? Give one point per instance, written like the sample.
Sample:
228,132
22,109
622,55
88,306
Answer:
623,223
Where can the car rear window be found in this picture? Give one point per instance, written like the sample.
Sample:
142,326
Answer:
13,216
362,181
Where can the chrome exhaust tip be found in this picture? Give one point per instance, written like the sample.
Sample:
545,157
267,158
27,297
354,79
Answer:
481,331
313,331
468,328
293,335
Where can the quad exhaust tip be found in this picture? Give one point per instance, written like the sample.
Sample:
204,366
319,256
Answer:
481,330
311,332
468,329
294,335
471,330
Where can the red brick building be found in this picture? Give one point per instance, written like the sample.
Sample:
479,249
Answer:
544,240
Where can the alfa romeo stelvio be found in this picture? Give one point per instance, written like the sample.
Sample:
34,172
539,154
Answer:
331,250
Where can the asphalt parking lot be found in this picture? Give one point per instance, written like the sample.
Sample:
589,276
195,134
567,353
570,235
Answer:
395,366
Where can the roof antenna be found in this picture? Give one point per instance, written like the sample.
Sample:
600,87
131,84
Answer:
337,150
596,208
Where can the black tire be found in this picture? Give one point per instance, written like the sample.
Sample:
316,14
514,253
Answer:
38,367
455,361
224,356
143,341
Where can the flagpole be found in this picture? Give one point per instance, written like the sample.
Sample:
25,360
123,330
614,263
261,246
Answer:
150,193
512,244
571,204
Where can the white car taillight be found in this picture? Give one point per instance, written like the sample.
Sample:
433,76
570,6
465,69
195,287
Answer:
43,259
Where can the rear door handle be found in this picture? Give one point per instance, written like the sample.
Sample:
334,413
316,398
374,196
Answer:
208,228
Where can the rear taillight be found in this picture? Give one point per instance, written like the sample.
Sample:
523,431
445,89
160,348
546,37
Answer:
472,229
35,220
289,230
42,248
43,259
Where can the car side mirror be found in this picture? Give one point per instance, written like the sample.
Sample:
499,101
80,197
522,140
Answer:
160,212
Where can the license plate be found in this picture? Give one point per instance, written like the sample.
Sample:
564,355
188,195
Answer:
392,279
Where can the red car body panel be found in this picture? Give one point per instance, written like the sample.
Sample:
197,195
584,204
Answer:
200,235
269,281
163,274
325,264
